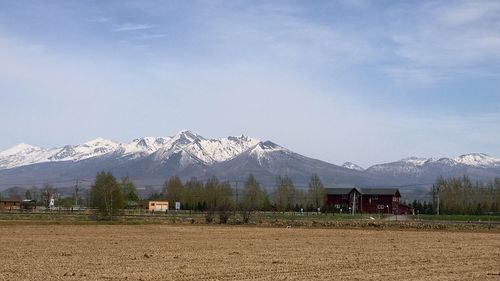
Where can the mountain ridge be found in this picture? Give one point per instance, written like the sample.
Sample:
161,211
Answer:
151,160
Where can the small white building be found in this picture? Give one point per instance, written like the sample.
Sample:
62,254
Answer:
158,206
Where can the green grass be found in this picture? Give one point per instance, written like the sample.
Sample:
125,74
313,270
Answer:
294,219
465,218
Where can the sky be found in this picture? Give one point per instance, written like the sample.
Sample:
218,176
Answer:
361,81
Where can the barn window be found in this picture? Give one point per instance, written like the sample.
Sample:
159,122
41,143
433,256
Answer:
152,204
375,197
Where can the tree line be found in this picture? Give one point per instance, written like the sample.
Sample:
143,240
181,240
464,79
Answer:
464,197
217,199
461,196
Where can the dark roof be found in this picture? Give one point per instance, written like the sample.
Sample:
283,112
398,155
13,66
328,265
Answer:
10,200
380,191
339,191
363,191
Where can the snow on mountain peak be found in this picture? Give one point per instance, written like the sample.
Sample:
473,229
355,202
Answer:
261,149
352,166
100,142
186,136
417,161
19,148
21,154
478,159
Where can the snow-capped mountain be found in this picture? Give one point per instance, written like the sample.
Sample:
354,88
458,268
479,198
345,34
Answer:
415,164
207,151
478,160
352,166
151,160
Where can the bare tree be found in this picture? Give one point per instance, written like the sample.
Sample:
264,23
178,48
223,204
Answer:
173,189
47,193
285,194
316,192
253,198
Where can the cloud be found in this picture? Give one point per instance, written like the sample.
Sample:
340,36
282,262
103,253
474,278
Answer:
151,36
415,76
101,19
132,27
466,12
448,39
278,71
280,33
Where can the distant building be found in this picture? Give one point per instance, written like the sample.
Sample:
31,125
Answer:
366,200
28,205
341,199
158,206
10,204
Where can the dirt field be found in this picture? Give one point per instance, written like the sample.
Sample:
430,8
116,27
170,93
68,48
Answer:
166,252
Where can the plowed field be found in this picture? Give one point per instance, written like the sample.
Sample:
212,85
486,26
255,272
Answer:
167,252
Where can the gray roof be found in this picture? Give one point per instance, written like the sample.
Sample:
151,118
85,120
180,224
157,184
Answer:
364,191
341,191
379,191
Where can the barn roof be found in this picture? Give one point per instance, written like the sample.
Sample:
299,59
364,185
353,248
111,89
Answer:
380,191
10,200
339,191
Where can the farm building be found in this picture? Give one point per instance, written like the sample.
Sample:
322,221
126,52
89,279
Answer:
10,204
28,205
366,200
380,200
341,199
158,206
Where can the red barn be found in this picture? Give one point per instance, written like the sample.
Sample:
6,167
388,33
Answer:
404,209
366,200
380,200
342,199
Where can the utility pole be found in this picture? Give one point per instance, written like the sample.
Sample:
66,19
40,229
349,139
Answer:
76,193
435,197
237,193
438,201
237,205
353,203
111,211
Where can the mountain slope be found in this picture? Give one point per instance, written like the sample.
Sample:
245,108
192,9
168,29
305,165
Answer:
208,151
151,160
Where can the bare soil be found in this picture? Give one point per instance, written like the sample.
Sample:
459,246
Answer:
169,252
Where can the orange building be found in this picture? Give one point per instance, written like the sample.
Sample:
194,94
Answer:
158,206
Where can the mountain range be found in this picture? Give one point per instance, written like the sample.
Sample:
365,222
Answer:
151,160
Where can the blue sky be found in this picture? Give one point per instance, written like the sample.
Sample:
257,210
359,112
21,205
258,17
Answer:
360,81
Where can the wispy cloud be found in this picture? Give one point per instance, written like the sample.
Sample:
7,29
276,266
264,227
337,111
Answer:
101,19
132,27
413,75
150,36
446,38
341,68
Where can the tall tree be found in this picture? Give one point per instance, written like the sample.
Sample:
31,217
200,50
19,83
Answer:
218,200
316,192
106,194
173,189
210,198
193,194
225,201
253,198
27,195
285,194
129,192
